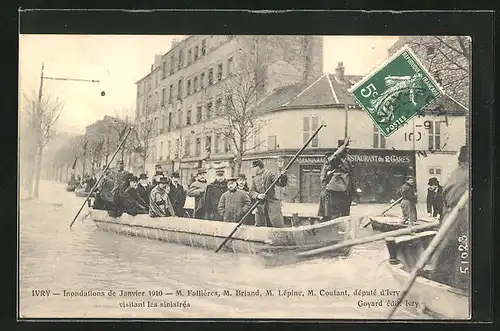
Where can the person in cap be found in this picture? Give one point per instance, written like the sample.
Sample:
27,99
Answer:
434,198
212,195
446,265
121,177
269,210
408,193
159,202
338,185
242,182
132,202
197,190
234,203
177,195
144,189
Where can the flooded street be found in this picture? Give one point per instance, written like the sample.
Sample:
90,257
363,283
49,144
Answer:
64,261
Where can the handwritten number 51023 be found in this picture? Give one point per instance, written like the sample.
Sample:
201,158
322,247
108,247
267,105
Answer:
369,91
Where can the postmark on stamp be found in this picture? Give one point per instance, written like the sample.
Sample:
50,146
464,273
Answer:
395,91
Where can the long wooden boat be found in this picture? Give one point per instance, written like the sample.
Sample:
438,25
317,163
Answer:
436,299
390,223
210,234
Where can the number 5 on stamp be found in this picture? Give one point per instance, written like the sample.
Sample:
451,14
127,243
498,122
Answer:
397,90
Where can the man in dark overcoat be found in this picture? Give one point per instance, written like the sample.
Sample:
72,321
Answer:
131,200
177,195
212,195
143,189
434,199
197,190
234,203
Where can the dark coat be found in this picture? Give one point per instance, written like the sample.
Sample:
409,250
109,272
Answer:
177,196
159,203
197,190
212,196
233,205
131,204
144,194
408,203
435,201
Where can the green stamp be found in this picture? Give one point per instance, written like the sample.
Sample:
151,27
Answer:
396,91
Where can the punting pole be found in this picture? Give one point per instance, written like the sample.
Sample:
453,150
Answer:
270,187
433,245
102,174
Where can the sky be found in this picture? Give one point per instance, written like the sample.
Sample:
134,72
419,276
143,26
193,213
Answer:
118,61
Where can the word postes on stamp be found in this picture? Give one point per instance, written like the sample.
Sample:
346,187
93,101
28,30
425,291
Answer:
396,91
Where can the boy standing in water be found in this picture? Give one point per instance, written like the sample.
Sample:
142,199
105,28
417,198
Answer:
409,200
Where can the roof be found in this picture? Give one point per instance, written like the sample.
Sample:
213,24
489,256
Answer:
280,96
326,90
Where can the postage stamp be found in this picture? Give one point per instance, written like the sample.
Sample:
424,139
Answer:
396,91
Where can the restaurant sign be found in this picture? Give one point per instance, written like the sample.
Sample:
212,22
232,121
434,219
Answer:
362,158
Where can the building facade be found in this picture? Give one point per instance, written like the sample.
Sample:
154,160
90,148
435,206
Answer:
183,90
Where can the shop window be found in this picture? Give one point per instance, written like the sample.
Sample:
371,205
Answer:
378,138
271,143
434,135
310,125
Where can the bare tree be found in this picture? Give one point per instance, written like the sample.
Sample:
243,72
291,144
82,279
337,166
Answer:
448,58
38,118
239,112
141,139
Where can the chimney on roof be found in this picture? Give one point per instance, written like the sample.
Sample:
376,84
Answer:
340,71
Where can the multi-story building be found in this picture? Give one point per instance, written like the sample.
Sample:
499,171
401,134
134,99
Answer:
183,90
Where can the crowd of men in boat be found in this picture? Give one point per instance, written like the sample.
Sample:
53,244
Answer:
228,199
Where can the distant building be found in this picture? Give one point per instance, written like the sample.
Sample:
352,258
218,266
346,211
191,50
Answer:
182,89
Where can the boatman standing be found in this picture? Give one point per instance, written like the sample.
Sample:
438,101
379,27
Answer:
233,203
197,190
408,193
159,202
269,210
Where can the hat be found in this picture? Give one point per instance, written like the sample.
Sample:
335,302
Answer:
242,176
133,179
410,177
201,171
164,180
158,166
143,176
258,163
231,179
175,174
433,181
220,171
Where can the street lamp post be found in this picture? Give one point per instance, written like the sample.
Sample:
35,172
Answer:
38,116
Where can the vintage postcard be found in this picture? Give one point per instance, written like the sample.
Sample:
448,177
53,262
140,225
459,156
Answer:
244,176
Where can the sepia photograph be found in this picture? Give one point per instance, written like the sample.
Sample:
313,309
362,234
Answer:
244,176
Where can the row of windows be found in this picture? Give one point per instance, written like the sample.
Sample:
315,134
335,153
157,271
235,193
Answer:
183,58
310,124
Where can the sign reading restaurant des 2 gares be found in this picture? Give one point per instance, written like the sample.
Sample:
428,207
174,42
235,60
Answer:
396,91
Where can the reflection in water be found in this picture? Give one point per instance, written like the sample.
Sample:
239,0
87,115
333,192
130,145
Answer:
57,259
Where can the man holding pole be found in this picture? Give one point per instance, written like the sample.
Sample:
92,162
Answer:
269,209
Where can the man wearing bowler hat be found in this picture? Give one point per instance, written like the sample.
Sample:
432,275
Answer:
269,210
177,194
143,189
197,190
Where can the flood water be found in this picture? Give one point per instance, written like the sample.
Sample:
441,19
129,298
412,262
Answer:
55,258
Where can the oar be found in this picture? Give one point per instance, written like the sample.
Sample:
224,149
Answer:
429,251
385,211
293,257
270,187
102,175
